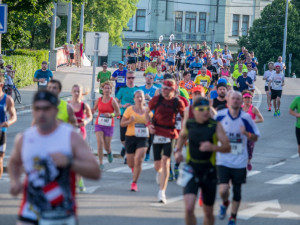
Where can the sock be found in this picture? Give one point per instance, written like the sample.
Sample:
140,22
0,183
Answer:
226,203
233,216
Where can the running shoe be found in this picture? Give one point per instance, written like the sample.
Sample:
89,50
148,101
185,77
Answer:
134,187
232,221
200,199
110,157
222,212
171,176
176,172
249,166
101,167
162,197
125,160
123,152
269,109
147,157
275,113
278,112
157,178
81,186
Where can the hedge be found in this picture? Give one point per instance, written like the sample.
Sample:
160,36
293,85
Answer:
26,62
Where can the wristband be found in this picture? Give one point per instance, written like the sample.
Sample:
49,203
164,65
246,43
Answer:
113,115
249,135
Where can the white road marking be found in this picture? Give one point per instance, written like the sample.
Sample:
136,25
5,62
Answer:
90,190
169,201
252,173
24,112
295,156
286,179
126,169
275,165
260,208
259,98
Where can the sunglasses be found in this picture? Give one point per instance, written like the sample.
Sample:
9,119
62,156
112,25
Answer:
202,108
131,78
42,108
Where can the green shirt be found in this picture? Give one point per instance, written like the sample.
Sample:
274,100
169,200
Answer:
236,75
150,69
236,66
103,77
184,93
296,105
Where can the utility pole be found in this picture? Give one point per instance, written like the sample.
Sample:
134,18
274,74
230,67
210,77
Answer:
69,26
53,27
81,23
285,32
216,17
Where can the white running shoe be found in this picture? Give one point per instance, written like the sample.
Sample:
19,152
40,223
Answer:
162,197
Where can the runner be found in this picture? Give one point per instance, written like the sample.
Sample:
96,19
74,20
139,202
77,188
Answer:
220,102
147,55
166,107
203,79
151,68
84,116
252,74
43,76
239,128
253,112
195,67
236,74
50,153
103,76
266,77
171,53
120,77
132,56
137,135
125,98
7,105
277,81
187,83
244,82
155,54
296,105
65,111
199,171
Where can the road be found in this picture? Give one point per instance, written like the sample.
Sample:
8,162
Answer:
270,197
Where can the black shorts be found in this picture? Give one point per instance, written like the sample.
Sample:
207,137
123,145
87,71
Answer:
132,143
131,61
122,131
71,55
162,149
206,179
266,88
298,135
2,142
141,59
235,88
237,176
275,94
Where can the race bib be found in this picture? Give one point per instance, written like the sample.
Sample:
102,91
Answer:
141,130
185,175
104,121
43,83
178,123
277,83
203,83
161,140
121,80
236,148
195,71
65,221
132,55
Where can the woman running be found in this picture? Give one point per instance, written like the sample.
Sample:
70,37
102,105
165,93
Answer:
108,108
253,112
137,134
224,72
84,116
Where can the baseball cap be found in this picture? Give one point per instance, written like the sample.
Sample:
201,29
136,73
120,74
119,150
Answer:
222,80
245,70
121,62
167,76
150,74
198,89
200,101
169,83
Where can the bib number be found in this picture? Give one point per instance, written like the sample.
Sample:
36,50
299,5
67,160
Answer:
185,175
141,130
161,140
43,83
178,123
121,80
236,148
203,83
195,71
104,121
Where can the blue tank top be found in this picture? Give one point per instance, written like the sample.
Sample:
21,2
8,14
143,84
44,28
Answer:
3,117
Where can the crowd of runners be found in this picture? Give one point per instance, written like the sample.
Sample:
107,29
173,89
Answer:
190,101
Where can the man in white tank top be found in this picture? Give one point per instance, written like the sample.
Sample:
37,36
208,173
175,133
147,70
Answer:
51,153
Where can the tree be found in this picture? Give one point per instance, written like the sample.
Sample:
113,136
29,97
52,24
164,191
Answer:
266,35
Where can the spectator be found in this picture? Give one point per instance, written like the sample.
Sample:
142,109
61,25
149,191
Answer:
42,76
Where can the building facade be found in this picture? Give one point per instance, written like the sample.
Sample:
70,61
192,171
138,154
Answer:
191,22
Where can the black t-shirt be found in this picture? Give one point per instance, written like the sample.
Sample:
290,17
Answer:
180,54
198,51
131,53
218,105
213,69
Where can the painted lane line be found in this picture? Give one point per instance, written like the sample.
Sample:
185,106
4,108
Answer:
275,165
259,97
252,173
126,169
286,179
24,112
295,156
169,201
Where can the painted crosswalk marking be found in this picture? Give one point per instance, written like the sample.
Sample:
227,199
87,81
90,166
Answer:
285,179
126,169
252,173
275,165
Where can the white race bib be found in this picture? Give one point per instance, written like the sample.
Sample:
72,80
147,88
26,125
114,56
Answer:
185,175
195,71
203,83
104,121
43,83
161,140
121,79
236,148
277,83
178,123
141,130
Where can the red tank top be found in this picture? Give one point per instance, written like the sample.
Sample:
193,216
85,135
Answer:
105,108
80,116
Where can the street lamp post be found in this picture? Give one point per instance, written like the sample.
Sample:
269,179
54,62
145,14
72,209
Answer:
285,32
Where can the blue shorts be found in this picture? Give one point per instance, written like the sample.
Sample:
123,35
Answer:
147,59
171,63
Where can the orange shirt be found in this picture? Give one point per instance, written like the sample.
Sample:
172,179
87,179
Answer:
188,86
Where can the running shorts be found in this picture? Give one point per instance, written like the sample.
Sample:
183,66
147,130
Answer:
141,59
147,59
266,88
298,135
235,88
170,63
108,131
206,179
162,149
275,94
237,176
132,143
131,61
2,142
71,55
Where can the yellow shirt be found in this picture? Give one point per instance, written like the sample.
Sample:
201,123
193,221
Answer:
63,114
236,75
203,80
218,50
139,120
150,69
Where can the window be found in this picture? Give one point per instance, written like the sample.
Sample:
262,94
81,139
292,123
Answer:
140,19
202,22
235,25
190,24
178,21
130,24
124,51
245,25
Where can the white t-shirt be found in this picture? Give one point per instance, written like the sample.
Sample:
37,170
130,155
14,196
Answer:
252,75
71,48
227,58
171,55
267,75
282,64
277,80
215,62
238,157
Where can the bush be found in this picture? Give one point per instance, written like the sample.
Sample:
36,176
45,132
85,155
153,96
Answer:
25,66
